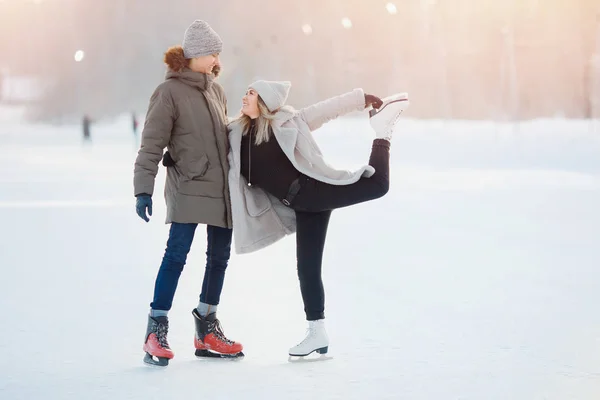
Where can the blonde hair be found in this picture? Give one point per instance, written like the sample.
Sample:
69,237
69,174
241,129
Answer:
263,123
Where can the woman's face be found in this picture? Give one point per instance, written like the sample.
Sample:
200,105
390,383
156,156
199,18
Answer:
250,104
205,64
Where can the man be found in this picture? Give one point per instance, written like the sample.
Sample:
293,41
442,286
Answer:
188,115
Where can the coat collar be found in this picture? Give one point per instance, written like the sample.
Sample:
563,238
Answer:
286,135
191,78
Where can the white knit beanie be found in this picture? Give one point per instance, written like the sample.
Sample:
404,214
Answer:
273,93
200,40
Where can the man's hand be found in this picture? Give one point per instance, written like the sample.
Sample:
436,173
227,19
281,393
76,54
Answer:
143,202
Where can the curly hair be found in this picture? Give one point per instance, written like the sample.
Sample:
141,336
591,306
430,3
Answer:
176,61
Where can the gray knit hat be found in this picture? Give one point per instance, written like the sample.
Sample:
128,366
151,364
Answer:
273,93
200,40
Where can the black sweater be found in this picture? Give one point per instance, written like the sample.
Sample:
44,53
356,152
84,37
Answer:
266,165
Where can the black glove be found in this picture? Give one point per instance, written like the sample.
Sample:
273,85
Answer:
374,101
167,161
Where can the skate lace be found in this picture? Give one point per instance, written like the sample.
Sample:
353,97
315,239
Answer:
218,332
161,335
390,128
309,334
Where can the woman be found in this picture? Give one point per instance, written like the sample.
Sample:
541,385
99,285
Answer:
187,114
280,183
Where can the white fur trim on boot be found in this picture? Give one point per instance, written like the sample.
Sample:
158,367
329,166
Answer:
316,340
383,120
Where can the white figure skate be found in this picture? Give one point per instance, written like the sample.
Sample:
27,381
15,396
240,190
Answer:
384,118
316,340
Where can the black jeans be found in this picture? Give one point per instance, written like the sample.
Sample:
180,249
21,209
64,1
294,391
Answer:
313,205
218,250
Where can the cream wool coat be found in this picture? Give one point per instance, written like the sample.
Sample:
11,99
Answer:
260,219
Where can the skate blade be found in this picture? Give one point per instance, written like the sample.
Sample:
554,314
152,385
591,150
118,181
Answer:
308,359
397,98
213,355
321,350
155,361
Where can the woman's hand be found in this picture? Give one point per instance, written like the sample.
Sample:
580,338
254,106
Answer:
371,100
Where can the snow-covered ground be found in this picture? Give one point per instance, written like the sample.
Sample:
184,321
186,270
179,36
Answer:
476,277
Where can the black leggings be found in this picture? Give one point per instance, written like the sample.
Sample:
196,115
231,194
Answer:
313,206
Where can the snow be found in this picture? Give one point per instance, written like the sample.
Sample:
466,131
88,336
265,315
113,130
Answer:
476,277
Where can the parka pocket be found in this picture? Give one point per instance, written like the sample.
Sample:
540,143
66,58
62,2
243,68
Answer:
199,188
257,201
198,168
